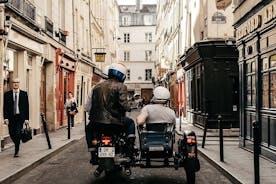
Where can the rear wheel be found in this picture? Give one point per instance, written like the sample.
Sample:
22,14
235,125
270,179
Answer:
190,175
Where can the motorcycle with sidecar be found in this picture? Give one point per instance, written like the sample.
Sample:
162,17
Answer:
157,145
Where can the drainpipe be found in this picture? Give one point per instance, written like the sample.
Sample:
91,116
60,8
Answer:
90,34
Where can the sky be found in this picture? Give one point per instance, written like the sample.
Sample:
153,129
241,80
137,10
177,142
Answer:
133,2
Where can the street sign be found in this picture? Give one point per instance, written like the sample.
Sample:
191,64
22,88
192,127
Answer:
3,1
100,56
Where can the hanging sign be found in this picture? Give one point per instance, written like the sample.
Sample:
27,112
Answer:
223,4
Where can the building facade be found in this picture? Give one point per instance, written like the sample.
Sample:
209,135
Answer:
137,47
254,23
48,46
205,21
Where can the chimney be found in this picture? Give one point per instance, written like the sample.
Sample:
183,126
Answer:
138,5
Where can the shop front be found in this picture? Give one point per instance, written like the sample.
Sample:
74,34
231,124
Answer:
65,82
212,83
256,42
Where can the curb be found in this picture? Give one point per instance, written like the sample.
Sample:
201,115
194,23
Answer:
14,176
227,174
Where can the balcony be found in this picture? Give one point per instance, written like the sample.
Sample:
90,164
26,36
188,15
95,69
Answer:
23,8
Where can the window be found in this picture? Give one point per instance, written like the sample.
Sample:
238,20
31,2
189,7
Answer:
250,83
272,65
265,83
148,37
126,55
126,37
126,20
128,74
148,74
268,72
148,54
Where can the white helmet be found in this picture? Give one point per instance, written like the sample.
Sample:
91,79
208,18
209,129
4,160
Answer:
105,72
117,70
161,95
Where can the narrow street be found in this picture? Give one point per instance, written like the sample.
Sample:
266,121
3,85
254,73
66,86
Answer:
71,166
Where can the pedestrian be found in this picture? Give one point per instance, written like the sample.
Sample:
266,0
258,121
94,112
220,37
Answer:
16,113
71,108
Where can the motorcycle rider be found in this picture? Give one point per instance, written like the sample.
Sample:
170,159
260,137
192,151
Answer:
87,108
110,104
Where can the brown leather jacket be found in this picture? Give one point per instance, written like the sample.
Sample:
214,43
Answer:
109,102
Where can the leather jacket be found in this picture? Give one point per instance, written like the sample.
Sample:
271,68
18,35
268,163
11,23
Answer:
109,102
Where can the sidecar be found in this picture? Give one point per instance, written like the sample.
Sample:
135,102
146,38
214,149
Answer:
157,149
156,143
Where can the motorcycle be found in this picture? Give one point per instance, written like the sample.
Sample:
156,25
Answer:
112,152
187,154
156,145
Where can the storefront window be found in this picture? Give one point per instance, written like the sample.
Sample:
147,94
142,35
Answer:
251,84
265,84
273,89
273,81
253,90
249,102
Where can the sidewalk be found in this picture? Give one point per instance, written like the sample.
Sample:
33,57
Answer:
35,152
238,163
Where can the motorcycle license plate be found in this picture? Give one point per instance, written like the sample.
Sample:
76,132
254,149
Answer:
156,148
106,152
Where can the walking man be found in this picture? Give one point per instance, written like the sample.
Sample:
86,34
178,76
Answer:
16,112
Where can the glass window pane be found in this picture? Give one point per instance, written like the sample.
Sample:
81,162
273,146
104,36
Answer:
253,90
248,67
253,66
265,64
273,89
249,90
273,61
265,85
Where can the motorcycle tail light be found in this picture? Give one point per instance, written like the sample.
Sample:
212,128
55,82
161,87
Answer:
95,142
191,139
106,140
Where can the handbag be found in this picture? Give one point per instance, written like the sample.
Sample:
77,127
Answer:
72,113
73,110
26,133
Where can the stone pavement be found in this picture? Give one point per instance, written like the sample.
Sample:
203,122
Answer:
35,152
238,163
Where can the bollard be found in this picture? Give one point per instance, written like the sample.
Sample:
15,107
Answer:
45,130
256,152
68,126
180,118
220,138
205,130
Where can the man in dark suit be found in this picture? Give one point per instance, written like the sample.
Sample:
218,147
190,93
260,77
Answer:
16,112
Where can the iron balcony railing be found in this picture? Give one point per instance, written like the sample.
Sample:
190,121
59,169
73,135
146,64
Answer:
24,8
